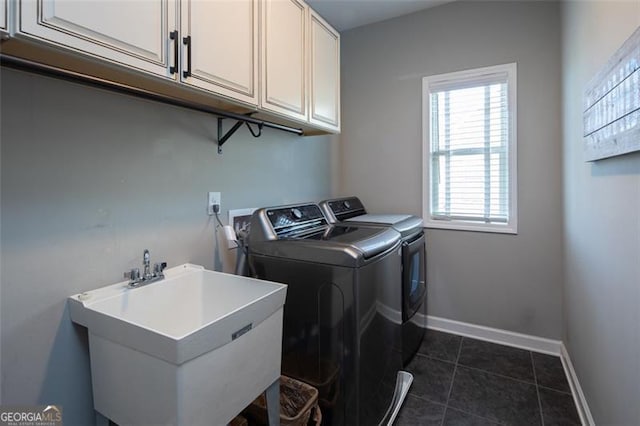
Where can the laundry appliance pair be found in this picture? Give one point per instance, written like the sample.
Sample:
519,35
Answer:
349,324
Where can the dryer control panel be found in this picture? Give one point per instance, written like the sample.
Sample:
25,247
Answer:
345,208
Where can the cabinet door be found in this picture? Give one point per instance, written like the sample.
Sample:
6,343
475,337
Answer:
131,33
224,47
283,54
324,55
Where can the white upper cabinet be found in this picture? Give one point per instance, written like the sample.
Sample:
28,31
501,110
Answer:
324,66
273,56
284,58
223,55
132,33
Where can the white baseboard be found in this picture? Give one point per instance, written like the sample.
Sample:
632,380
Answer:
496,335
578,396
522,341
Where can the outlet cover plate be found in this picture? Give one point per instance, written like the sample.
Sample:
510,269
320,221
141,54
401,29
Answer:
214,198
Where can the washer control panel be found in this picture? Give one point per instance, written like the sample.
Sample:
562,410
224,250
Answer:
303,218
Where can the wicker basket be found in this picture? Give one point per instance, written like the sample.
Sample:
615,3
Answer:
239,421
322,374
297,400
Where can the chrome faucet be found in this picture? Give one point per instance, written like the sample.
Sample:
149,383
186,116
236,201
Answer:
148,277
146,260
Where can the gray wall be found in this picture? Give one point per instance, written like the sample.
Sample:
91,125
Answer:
90,179
503,281
602,227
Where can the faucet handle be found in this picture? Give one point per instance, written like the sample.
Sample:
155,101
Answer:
158,268
133,274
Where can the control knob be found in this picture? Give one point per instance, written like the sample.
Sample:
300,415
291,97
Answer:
297,214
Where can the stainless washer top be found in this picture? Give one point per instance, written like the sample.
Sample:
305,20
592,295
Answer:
301,232
405,224
351,210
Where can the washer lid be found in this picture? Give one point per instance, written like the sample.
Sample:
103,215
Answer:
368,241
341,245
404,223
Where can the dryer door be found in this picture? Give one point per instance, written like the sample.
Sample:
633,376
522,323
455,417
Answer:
414,281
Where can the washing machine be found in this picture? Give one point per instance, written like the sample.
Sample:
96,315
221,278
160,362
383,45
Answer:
342,328
412,280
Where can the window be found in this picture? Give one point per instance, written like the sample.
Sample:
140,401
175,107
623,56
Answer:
469,149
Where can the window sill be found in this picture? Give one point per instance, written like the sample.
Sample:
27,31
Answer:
470,226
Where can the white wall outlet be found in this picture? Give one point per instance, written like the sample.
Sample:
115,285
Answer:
214,198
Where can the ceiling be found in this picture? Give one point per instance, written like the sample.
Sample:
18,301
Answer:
346,14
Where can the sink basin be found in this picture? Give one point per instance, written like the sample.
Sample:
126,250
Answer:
194,348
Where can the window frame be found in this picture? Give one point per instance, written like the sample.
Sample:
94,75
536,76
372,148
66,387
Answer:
462,77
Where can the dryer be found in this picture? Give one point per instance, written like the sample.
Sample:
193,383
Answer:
412,281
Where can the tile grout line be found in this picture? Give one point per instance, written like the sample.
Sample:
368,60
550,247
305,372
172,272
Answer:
453,377
433,358
445,407
495,422
555,390
502,376
456,363
430,401
535,377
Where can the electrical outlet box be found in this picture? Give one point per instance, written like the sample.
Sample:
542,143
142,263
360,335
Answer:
214,199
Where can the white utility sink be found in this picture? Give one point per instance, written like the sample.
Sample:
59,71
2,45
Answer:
194,348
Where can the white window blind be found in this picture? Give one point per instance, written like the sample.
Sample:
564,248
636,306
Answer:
469,144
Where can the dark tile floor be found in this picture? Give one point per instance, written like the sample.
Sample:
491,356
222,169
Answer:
460,381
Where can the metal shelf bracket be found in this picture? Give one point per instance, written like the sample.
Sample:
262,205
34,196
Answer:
223,138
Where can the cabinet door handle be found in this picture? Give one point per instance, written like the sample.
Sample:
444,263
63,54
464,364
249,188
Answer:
187,42
173,35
